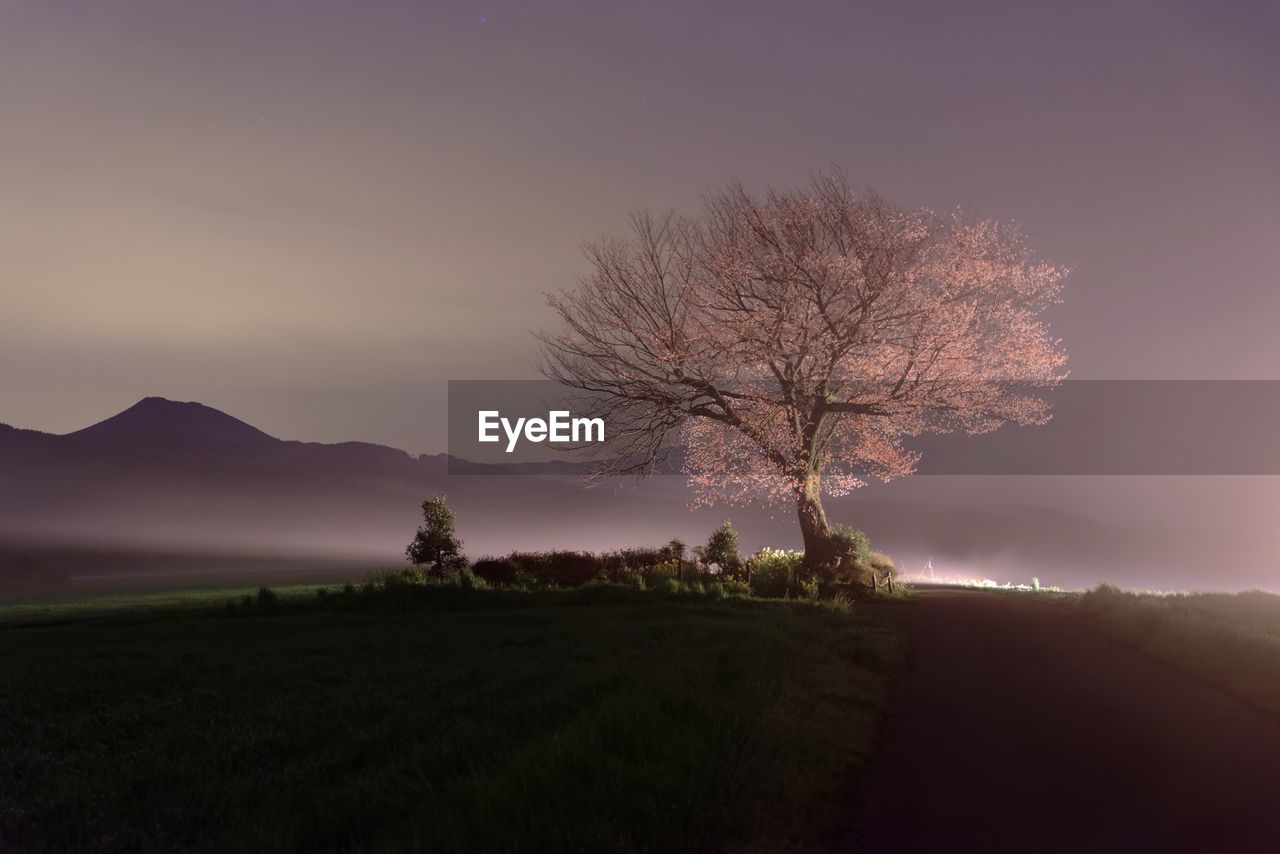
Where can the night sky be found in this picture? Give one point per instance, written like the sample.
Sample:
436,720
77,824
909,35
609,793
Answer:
312,215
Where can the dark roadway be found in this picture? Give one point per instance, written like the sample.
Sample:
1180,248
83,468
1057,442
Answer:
1019,728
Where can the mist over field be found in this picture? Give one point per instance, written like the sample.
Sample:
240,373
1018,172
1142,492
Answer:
179,491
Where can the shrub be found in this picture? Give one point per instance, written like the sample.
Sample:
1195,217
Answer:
695,574
668,569
809,588
676,551
558,568
574,568
496,570
858,566
266,598
721,550
862,575
852,542
390,578
882,563
735,586
469,581
773,572
636,581
620,565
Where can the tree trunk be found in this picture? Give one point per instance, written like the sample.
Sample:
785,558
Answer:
819,546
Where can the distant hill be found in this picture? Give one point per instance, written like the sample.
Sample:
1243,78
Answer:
163,467
157,421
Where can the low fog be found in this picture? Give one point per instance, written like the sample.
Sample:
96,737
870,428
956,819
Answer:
176,493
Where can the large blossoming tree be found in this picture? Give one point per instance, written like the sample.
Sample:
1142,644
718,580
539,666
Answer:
789,342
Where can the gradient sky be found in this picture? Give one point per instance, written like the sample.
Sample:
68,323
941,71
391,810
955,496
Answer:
314,214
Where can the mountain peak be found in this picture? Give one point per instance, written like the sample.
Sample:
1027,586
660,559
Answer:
160,420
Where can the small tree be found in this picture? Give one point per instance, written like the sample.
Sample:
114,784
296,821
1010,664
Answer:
722,549
436,545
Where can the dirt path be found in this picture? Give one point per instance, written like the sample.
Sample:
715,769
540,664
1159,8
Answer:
1020,729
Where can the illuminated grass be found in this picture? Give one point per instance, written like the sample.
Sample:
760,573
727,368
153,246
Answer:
1033,586
606,720
1230,640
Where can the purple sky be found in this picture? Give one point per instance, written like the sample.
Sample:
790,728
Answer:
312,215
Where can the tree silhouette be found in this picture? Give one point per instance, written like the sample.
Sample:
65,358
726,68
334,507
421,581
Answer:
789,343
435,544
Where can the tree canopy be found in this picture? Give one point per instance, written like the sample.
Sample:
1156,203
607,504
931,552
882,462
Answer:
790,342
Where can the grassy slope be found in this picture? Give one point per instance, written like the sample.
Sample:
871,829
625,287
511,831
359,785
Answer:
536,721
1230,640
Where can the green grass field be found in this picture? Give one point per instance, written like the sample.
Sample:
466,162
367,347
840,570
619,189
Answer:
496,721
1231,640
143,604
